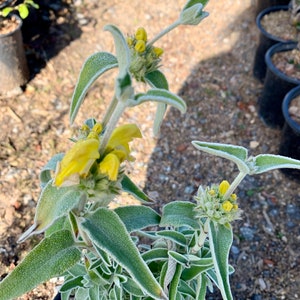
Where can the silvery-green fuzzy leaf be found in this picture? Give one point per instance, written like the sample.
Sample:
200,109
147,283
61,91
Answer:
178,214
192,13
220,241
124,89
53,203
45,175
93,67
160,96
131,287
186,290
237,154
130,187
106,231
50,258
136,217
267,162
158,80
155,254
122,49
174,236
174,283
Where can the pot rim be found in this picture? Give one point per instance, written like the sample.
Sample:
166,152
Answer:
265,12
20,22
280,47
293,93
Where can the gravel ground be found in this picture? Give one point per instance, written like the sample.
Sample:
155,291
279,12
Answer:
210,66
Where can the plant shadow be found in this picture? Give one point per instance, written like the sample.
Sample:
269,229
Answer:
48,30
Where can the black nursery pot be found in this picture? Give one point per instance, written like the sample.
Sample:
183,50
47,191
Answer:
262,4
290,139
276,86
13,64
266,40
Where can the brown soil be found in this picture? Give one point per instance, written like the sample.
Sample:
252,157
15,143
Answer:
294,109
210,66
8,25
288,62
278,23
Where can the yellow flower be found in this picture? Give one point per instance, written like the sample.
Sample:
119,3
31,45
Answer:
110,166
157,51
129,41
79,159
227,206
223,187
141,34
140,46
117,149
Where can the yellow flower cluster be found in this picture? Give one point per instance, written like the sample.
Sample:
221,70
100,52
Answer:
145,57
77,162
212,204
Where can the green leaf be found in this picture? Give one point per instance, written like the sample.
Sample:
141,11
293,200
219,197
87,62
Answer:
268,162
93,67
174,236
174,283
161,96
53,203
237,154
220,240
195,271
130,187
50,258
23,10
6,11
45,175
192,13
72,284
179,258
155,254
186,290
179,213
136,217
157,79
131,287
202,287
107,231
122,49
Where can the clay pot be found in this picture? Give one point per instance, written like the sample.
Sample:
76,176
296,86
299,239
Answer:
14,71
277,84
290,138
266,40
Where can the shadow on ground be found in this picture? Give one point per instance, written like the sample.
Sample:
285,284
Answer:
47,31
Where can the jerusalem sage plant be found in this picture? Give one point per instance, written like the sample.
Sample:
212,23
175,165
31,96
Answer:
99,250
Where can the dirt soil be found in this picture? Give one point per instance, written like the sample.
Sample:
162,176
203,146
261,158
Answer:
210,66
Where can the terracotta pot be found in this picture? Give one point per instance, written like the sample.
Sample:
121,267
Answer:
13,65
266,40
276,86
290,138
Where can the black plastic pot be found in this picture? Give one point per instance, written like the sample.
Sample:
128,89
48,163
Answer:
276,86
262,4
13,64
290,139
266,40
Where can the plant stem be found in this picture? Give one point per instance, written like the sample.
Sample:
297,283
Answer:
111,124
234,184
110,110
163,32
